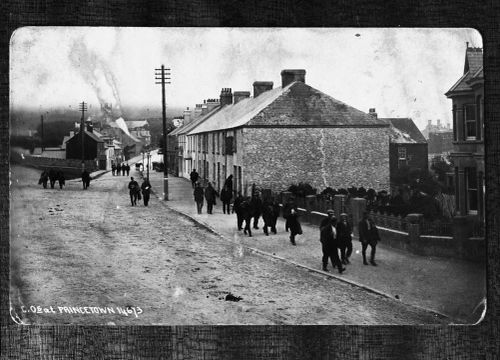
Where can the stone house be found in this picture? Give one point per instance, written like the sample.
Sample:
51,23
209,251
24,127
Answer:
467,96
289,134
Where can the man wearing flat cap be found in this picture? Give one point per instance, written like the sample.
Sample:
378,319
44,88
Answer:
344,234
329,242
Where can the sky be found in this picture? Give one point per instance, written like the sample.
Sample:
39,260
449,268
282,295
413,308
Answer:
398,71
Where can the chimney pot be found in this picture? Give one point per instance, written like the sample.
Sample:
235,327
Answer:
372,112
288,76
226,97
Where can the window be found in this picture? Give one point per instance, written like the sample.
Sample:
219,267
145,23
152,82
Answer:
223,144
234,141
479,117
229,145
455,125
402,159
213,143
217,136
471,182
470,122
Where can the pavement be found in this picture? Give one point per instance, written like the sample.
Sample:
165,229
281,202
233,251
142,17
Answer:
448,287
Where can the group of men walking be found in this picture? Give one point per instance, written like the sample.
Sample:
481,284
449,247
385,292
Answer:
335,236
52,176
124,169
135,191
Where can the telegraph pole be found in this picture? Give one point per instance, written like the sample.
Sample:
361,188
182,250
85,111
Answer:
83,108
162,75
41,116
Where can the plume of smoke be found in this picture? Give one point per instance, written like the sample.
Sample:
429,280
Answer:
96,72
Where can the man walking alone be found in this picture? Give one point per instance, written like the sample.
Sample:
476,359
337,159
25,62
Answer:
329,242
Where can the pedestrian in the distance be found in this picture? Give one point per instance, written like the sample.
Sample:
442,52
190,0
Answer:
225,196
113,169
44,178
229,183
85,179
194,177
256,205
124,169
292,223
118,169
330,242
198,197
368,235
61,179
246,215
270,215
237,210
146,191
52,177
344,233
127,168
134,191
210,195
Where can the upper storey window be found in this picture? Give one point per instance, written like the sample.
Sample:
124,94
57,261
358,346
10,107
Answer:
470,122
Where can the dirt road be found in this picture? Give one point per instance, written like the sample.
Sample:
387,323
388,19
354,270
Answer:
88,257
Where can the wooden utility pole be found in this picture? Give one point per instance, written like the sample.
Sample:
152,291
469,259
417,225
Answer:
162,75
41,116
83,108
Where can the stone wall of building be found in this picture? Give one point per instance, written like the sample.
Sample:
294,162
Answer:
336,157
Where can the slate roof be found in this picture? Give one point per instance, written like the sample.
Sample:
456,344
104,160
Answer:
185,128
132,124
472,70
296,105
88,133
404,131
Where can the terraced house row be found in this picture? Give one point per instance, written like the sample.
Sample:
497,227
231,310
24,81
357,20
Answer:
283,135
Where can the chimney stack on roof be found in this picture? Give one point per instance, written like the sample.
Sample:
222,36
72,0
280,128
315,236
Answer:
211,104
373,113
240,95
439,123
261,86
226,96
187,115
288,76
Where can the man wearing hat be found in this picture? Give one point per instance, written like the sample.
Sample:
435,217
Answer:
329,242
344,233
368,235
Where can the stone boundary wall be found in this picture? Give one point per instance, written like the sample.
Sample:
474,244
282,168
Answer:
456,246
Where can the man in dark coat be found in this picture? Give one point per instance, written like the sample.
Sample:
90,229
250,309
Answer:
292,223
210,195
330,242
113,169
256,205
198,197
61,179
146,191
118,169
127,169
246,214
124,169
270,213
194,177
225,196
229,183
134,190
237,209
44,178
344,233
368,235
85,179
52,177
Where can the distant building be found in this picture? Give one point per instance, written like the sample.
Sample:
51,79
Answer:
140,130
468,133
289,134
407,148
439,138
94,147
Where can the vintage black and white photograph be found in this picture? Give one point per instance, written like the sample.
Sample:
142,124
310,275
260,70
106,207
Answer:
247,176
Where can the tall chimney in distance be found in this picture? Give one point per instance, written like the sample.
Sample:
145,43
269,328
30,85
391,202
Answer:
187,116
288,76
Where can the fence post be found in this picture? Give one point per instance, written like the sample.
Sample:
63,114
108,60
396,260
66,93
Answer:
414,228
358,207
285,195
